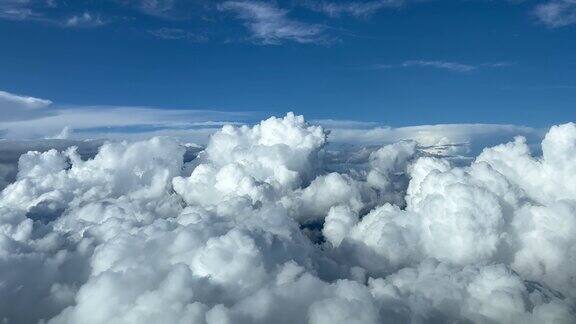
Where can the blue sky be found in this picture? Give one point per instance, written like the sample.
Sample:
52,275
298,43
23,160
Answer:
394,62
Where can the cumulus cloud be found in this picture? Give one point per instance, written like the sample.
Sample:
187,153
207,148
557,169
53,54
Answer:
258,228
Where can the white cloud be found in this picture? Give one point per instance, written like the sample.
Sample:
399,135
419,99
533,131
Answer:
271,25
176,33
558,13
259,162
442,65
158,8
353,8
24,102
29,117
44,11
443,139
16,107
258,229
84,20
156,5
63,135
497,64
345,123
16,9
451,66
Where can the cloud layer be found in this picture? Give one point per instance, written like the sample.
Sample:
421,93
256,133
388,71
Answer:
259,228
28,117
17,107
267,23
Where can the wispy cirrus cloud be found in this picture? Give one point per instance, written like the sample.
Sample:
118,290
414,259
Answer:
352,8
154,6
36,118
16,9
45,12
177,33
159,8
441,65
557,13
78,13
84,20
270,24
451,66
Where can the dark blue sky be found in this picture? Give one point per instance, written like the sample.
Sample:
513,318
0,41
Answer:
400,63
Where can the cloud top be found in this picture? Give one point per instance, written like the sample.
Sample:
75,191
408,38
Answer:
260,227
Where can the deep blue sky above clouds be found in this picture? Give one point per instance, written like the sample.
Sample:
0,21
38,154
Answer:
394,62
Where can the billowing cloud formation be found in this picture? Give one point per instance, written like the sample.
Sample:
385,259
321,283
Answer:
259,228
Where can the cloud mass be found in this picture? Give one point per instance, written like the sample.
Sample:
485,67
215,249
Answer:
265,225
